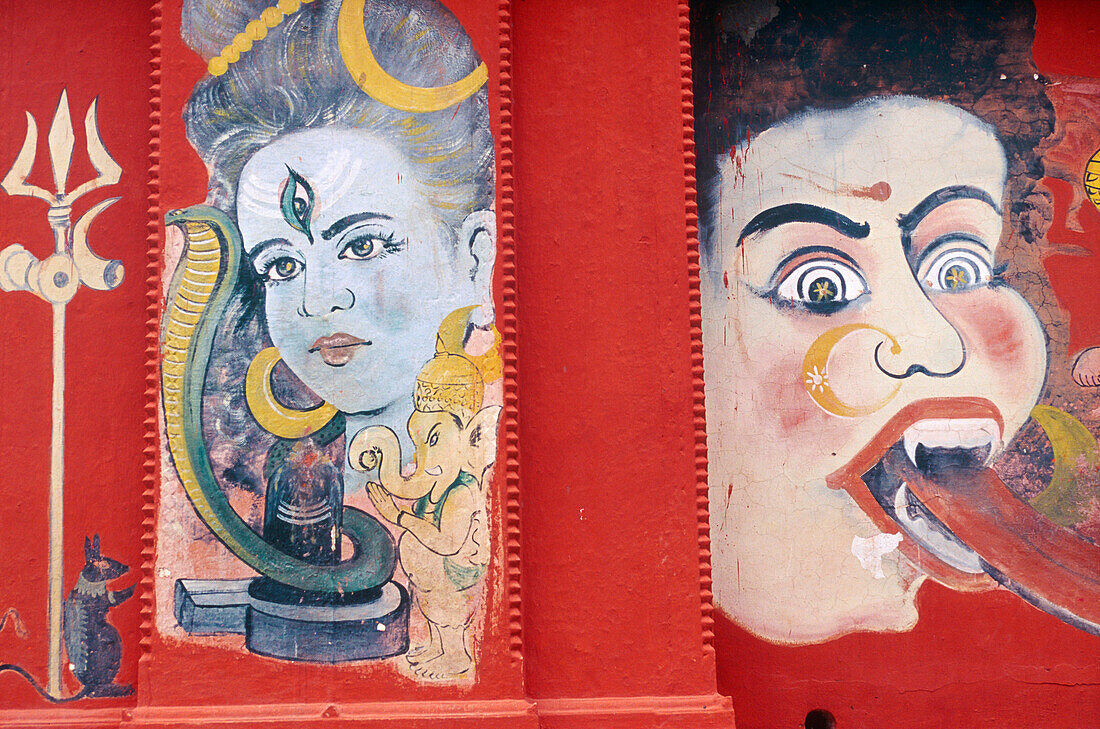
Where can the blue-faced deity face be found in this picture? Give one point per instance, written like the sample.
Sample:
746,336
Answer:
358,268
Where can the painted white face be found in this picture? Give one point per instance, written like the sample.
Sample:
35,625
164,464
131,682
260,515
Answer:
358,269
854,285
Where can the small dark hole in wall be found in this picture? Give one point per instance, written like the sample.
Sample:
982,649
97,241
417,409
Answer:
820,719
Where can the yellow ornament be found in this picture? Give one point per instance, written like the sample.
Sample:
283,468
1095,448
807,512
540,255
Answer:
241,43
256,30
271,17
272,415
380,85
217,66
449,383
1092,178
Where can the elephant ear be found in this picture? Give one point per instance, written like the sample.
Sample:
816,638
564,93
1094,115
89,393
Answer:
480,441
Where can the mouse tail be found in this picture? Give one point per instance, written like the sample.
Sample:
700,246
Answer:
37,687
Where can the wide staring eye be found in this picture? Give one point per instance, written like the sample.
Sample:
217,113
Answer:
362,248
822,285
957,270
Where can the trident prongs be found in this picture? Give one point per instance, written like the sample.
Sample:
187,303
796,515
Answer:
15,182
108,171
23,271
61,141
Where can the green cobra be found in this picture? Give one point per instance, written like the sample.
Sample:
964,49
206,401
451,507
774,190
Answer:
201,289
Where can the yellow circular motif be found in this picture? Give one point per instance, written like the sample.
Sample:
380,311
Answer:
242,43
271,17
1092,178
217,66
256,30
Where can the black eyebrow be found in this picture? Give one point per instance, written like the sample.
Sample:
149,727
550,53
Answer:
346,222
804,213
910,220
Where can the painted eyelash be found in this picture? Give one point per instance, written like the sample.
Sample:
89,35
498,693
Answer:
787,264
265,270
389,241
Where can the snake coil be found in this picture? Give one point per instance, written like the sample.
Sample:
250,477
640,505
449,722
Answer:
200,291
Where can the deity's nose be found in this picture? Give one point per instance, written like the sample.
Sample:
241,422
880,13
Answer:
321,296
927,342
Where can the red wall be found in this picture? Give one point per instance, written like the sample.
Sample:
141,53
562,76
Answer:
613,591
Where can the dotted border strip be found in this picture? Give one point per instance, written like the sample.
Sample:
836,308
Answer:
507,252
153,269
695,319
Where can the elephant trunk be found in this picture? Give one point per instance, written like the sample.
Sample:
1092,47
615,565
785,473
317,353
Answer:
377,447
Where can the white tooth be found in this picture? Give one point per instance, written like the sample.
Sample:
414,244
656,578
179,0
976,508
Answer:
975,438
899,499
910,439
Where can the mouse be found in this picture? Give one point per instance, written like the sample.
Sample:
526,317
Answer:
94,645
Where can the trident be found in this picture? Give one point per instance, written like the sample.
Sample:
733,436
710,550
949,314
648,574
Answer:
56,280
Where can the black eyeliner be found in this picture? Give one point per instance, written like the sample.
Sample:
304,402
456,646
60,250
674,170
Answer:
806,250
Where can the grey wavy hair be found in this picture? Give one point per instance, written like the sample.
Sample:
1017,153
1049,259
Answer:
296,79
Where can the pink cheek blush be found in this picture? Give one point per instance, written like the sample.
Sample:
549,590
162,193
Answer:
994,328
796,413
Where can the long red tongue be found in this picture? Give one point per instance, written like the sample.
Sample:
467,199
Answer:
1047,561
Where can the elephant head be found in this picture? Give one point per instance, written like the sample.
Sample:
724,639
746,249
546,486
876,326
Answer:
444,446
449,428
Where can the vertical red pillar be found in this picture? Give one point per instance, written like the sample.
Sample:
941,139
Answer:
615,620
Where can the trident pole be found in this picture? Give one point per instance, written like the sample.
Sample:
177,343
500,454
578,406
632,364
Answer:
57,500
56,280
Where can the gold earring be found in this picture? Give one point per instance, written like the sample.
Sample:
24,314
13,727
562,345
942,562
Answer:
272,415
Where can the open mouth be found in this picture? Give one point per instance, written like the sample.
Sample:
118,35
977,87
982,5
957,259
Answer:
927,474
933,448
338,349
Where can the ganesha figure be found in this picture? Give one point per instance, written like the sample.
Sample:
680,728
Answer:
443,546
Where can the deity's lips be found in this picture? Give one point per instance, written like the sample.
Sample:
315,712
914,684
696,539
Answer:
337,349
926,473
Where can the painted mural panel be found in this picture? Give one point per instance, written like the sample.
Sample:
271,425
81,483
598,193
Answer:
331,373
893,201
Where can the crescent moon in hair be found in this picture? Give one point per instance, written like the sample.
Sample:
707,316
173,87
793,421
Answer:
380,85
815,372
1064,500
